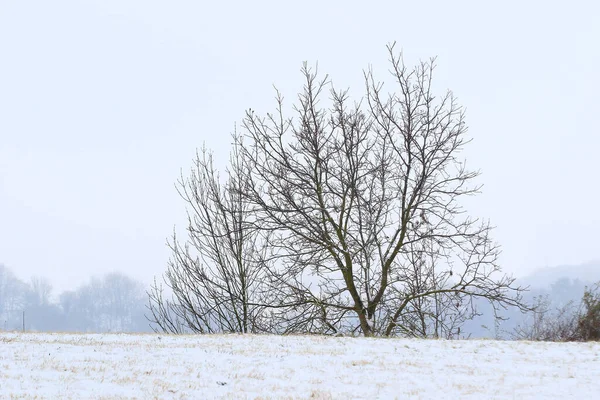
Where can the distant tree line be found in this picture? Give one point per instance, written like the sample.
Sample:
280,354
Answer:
112,303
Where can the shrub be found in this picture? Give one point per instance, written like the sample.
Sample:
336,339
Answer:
588,326
571,322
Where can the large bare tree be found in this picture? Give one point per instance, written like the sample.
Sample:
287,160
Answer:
346,217
362,206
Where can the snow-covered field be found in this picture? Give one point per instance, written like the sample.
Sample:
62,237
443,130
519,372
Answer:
73,366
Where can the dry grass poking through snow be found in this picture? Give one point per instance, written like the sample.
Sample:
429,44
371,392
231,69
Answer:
71,366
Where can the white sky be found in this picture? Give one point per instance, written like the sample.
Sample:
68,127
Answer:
102,102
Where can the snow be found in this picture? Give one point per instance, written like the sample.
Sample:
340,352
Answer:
110,366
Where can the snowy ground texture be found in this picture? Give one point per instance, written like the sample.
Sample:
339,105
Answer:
72,366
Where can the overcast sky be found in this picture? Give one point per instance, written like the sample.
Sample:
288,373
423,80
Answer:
103,102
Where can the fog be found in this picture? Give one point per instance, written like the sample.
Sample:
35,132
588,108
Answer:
102,103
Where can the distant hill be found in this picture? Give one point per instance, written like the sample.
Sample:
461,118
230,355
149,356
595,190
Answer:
544,277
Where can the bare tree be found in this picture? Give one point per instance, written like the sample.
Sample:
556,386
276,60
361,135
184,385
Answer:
13,298
110,303
361,204
40,291
214,277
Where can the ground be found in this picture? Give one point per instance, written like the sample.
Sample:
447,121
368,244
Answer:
110,366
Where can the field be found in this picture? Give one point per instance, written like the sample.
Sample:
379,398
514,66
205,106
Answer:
86,366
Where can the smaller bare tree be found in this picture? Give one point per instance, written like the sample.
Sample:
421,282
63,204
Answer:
214,276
